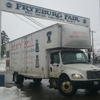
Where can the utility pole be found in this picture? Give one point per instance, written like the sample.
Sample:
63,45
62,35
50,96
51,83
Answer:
93,46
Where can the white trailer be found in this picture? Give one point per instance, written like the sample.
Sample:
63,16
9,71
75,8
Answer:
54,53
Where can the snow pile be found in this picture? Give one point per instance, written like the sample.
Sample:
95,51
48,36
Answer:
12,94
3,65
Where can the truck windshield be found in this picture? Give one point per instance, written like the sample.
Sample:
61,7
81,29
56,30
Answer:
71,57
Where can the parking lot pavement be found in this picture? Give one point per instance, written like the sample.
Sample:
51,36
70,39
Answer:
42,92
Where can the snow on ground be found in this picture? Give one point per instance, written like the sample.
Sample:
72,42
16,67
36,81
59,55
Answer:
12,94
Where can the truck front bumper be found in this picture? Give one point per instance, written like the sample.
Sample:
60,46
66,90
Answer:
87,84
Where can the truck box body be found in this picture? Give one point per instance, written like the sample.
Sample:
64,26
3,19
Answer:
29,56
54,53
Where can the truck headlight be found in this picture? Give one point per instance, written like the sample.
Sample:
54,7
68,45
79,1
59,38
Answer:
77,76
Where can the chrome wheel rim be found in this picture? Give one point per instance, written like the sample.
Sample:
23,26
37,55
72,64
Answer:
66,86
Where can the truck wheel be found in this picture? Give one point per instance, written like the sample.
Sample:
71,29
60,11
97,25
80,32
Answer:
94,90
66,87
37,80
18,79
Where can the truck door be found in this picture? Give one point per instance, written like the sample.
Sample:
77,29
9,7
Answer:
24,55
55,64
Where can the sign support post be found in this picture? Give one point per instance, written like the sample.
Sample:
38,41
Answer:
0,31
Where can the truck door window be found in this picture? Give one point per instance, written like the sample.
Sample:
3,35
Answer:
55,58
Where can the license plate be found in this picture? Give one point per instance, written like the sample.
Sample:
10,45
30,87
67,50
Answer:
96,83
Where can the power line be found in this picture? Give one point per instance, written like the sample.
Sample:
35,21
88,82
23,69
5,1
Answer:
36,22
25,21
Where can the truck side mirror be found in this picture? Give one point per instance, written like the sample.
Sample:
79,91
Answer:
90,50
52,62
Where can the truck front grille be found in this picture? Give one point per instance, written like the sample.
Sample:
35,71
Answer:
93,74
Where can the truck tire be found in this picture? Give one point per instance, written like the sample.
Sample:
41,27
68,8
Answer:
94,90
66,87
18,79
37,80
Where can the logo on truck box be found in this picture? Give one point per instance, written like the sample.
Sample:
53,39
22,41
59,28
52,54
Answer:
49,37
37,61
17,46
37,46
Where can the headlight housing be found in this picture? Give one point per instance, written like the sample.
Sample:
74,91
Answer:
77,76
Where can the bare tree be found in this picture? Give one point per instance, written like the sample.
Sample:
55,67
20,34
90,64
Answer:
4,41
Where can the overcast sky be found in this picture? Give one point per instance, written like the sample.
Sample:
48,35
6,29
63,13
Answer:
16,28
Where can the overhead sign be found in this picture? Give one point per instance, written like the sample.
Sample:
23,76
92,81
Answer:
35,11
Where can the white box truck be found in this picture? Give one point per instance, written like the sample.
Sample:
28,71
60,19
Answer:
54,53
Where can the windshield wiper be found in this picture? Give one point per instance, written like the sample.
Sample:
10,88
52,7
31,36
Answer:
74,62
69,62
83,62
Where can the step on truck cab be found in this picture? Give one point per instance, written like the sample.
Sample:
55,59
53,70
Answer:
56,53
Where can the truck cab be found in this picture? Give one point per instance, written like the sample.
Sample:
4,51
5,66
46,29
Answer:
70,70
